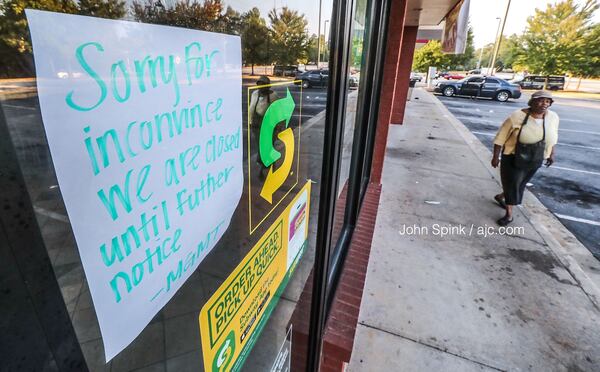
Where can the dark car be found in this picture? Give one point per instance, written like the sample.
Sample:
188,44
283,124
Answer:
286,70
313,78
538,82
480,86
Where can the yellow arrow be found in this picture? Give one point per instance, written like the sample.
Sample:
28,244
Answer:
276,178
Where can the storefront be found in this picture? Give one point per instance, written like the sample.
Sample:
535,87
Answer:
166,208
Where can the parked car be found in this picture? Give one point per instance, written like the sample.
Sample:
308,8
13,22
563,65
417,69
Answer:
313,78
538,82
476,71
286,70
448,76
353,80
416,78
480,86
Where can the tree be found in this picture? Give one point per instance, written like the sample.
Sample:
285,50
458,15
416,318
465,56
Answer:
431,55
313,49
254,38
557,40
15,42
486,55
208,16
510,49
113,9
229,22
289,38
357,50
588,63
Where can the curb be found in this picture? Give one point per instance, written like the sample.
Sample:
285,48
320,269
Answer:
561,242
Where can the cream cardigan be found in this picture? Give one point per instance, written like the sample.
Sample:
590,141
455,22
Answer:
532,132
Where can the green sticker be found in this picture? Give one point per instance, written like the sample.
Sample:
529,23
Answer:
279,111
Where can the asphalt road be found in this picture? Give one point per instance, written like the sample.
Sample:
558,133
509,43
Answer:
571,187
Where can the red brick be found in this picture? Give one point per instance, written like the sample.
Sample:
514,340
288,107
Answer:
349,298
409,37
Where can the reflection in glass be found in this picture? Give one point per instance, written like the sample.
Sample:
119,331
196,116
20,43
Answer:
355,64
279,40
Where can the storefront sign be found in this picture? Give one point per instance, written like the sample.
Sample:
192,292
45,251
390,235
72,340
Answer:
275,172
144,125
454,39
232,319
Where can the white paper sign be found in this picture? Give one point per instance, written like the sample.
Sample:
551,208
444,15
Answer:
144,125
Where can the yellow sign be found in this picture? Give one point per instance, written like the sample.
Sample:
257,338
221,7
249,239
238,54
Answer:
232,319
273,155
275,179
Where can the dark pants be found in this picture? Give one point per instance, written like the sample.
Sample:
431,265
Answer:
514,179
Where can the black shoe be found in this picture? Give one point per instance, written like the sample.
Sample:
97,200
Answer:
504,221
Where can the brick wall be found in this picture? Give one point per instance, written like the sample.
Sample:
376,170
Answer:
407,51
390,70
343,317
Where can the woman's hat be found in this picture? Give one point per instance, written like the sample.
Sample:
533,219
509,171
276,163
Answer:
540,94
263,80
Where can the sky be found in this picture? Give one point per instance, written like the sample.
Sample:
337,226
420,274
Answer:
310,8
483,15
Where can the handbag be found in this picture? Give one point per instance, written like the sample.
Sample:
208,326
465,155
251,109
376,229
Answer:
530,155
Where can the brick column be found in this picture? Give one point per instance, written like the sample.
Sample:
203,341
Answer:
388,86
407,51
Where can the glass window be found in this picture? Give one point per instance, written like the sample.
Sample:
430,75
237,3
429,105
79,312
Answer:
476,80
353,75
242,274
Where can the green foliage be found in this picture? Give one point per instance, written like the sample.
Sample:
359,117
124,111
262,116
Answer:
255,36
510,49
313,49
208,16
559,39
357,50
289,39
113,9
431,55
15,41
587,61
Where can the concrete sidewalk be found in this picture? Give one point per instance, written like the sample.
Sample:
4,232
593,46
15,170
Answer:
468,301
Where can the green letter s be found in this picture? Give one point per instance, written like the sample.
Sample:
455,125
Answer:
92,73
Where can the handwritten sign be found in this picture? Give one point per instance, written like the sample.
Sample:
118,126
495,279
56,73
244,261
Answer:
144,127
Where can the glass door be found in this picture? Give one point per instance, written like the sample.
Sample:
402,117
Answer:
172,153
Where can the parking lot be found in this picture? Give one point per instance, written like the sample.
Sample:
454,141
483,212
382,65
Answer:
571,187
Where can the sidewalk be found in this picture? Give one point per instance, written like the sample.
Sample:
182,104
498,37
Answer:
466,301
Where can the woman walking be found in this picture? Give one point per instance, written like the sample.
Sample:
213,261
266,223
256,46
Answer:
526,138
